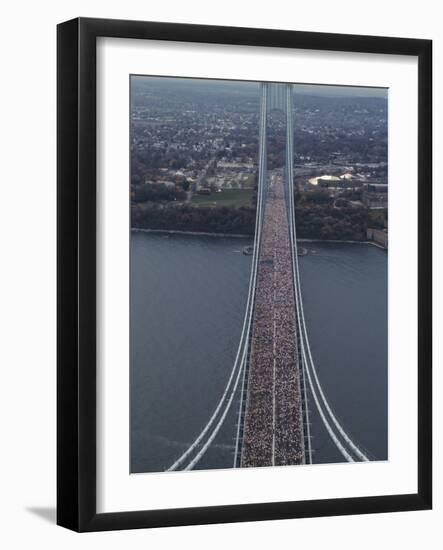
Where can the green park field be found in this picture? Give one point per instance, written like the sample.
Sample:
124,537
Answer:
226,197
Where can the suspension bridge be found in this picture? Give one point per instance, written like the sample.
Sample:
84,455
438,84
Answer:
273,381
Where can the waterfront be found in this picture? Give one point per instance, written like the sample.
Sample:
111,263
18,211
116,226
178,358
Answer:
188,296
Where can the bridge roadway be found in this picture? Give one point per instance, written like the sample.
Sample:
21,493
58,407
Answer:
273,419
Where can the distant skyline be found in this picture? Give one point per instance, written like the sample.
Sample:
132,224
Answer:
324,90
340,91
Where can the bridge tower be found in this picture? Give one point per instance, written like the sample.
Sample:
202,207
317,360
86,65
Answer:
276,96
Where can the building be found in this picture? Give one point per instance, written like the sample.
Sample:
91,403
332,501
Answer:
375,195
379,236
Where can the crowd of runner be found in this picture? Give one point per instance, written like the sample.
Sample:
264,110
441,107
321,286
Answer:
273,424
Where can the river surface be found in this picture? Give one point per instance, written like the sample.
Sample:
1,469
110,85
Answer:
188,298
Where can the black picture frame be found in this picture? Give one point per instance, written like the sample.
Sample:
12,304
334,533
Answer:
76,265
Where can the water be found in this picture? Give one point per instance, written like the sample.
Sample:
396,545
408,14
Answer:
188,297
344,290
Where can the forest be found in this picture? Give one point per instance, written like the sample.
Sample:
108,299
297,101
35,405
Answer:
223,219
315,220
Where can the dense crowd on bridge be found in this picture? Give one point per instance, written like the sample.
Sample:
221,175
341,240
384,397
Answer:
273,423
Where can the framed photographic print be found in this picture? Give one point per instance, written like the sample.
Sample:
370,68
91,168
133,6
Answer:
244,274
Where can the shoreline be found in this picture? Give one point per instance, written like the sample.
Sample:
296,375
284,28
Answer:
195,233
245,236
344,241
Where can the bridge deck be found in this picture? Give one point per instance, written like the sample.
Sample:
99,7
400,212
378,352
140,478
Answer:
273,422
